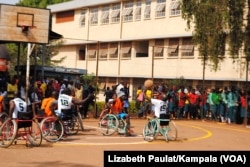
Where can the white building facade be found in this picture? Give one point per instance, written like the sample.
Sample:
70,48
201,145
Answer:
134,40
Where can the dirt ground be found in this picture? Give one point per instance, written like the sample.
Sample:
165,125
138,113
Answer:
86,148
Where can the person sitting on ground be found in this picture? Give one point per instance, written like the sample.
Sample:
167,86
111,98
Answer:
118,109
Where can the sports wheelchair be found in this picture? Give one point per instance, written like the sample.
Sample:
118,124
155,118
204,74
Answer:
110,124
24,127
54,128
163,125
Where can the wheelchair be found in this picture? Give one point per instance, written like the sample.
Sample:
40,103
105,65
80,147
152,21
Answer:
163,125
110,124
24,127
54,128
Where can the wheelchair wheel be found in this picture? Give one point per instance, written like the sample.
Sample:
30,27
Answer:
71,126
35,134
52,129
79,117
171,132
122,126
108,125
3,117
151,130
8,132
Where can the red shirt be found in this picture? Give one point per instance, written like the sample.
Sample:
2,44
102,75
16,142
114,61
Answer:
193,98
182,99
243,101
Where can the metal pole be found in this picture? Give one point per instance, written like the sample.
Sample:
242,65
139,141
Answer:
27,72
43,60
245,116
18,59
152,68
96,78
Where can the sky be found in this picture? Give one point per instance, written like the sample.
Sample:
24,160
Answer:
12,2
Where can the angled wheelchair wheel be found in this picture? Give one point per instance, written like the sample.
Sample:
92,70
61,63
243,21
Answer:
171,132
3,117
71,126
52,129
108,125
8,132
35,134
151,130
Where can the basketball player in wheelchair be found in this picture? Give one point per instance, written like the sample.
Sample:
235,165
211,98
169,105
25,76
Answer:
118,110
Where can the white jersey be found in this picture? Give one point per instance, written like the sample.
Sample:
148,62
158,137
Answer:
64,102
160,107
20,106
119,88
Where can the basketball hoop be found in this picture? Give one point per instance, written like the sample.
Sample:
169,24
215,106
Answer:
26,28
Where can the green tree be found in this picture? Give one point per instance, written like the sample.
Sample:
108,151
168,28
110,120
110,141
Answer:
216,23
210,20
39,3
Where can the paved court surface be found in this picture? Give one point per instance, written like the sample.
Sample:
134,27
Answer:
86,148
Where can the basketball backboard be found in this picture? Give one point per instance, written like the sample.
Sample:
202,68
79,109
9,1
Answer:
24,24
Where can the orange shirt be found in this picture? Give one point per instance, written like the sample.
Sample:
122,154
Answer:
1,106
47,109
118,106
45,102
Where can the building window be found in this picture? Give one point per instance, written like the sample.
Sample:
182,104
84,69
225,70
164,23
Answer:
187,48
92,51
82,54
138,11
66,16
94,16
141,48
115,14
147,11
105,15
159,48
113,48
103,52
82,18
160,8
175,9
126,50
127,12
173,47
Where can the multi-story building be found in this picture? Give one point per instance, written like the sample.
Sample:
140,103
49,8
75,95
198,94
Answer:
135,40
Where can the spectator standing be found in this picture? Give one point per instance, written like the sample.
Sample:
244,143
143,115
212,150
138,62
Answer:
232,105
181,102
126,98
87,91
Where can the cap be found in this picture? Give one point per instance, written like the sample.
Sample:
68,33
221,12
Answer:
120,94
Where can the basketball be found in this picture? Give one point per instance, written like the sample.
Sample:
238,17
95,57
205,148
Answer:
148,83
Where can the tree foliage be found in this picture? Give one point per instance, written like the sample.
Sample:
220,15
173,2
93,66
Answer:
39,3
212,21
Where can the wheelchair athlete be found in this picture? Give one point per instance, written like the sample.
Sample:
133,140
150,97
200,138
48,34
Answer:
117,109
66,102
17,104
160,109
